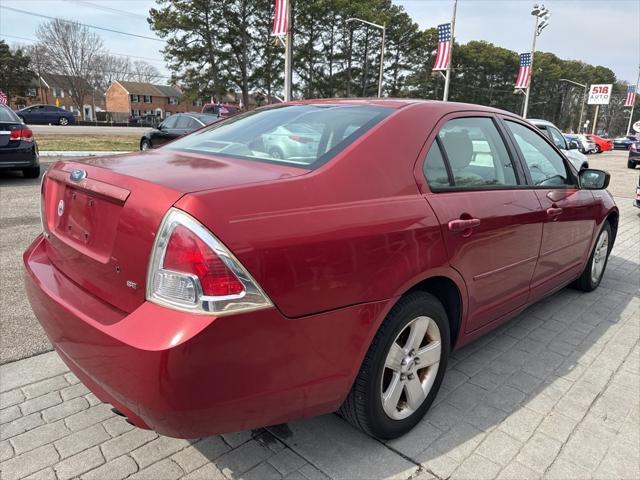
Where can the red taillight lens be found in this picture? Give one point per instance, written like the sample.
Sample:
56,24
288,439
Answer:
24,134
299,139
187,253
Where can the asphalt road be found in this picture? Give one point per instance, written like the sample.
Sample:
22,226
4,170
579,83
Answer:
88,130
20,333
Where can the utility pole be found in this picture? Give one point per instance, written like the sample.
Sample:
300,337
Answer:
595,120
382,27
582,102
288,53
633,106
447,78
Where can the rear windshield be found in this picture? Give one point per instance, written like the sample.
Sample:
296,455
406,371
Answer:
7,115
304,135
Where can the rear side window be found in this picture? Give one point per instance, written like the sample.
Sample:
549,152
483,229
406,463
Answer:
305,135
7,115
473,156
545,165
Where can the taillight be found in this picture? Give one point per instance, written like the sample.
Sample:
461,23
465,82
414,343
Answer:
299,139
191,270
24,134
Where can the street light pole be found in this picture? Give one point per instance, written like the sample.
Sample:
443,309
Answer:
382,27
447,78
584,98
540,12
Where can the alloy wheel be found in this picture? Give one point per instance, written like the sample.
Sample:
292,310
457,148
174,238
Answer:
600,256
411,367
63,121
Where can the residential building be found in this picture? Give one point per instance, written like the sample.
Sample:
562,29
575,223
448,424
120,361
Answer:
139,98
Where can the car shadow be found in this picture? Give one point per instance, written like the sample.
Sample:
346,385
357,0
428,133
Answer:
548,365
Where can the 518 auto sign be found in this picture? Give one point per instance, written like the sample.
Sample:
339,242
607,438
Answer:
600,94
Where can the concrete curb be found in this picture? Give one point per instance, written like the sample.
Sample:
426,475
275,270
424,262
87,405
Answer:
78,153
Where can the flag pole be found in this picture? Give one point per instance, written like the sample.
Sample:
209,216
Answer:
447,78
633,105
288,54
533,49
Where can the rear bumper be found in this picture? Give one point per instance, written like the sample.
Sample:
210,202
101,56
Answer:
24,156
189,375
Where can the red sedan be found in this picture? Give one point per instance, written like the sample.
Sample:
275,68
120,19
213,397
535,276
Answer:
208,287
602,144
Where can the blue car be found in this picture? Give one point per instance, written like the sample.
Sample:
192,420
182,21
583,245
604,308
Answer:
46,114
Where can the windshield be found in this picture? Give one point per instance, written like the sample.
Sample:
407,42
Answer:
305,135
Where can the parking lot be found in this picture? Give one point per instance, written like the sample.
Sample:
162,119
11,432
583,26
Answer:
554,393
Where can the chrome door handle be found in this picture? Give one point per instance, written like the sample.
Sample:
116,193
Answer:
462,225
554,212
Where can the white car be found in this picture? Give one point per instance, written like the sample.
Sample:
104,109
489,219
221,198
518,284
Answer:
571,151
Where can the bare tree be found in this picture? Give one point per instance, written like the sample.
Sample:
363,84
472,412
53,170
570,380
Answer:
71,50
142,71
109,68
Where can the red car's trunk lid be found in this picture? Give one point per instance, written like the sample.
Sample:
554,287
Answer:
102,215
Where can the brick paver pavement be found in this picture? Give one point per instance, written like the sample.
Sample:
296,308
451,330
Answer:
552,394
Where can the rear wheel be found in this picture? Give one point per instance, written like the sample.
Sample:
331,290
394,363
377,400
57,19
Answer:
598,149
631,164
63,121
403,369
594,270
33,172
145,144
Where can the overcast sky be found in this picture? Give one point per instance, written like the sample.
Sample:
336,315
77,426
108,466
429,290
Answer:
600,32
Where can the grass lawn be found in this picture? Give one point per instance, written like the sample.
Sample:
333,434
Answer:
63,142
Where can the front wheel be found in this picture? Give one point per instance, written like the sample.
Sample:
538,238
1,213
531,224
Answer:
63,121
145,144
402,370
631,164
594,270
598,149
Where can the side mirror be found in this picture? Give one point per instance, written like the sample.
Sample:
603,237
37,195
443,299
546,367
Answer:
592,179
573,145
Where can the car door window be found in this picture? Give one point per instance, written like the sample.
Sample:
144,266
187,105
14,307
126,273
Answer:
469,153
170,122
557,138
182,123
545,165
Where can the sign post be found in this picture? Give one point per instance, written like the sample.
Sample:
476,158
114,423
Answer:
599,95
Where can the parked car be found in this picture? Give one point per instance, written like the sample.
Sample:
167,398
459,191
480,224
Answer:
221,109
294,141
585,145
219,288
636,201
147,120
175,126
602,144
18,148
46,114
569,149
634,155
623,143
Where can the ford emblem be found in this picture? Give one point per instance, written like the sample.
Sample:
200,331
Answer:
60,208
78,174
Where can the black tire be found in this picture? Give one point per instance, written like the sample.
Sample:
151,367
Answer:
363,406
63,121
598,149
585,282
631,164
33,172
145,143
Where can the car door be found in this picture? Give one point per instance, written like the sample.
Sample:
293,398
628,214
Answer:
163,134
490,218
569,223
183,126
36,114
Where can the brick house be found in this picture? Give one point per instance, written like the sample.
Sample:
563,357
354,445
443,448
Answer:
53,89
139,98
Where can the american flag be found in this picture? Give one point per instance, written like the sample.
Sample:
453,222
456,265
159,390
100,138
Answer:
631,96
280,18
524,73
3,98
443,55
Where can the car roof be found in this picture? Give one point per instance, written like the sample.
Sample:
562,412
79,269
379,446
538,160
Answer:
539,121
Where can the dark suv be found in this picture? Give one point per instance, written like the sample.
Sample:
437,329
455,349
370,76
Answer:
18,148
